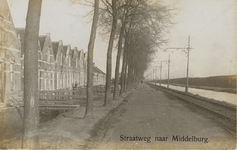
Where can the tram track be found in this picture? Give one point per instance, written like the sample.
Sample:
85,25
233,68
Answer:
220,112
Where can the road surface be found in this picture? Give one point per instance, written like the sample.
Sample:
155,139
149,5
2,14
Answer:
155,120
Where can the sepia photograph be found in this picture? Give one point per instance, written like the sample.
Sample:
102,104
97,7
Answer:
118,74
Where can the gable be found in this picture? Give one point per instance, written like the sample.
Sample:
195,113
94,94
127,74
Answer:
42,41
55,49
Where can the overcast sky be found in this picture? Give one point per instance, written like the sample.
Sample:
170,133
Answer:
211,24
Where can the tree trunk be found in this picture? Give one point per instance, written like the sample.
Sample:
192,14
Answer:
123,69
126,71
120,43
124,65
31,107
89,104
109,54
130,75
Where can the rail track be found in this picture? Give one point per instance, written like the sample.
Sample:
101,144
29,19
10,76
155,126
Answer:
222,113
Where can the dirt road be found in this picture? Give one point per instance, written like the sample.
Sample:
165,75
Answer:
155,120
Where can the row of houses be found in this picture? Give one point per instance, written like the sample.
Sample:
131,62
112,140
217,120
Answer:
59,66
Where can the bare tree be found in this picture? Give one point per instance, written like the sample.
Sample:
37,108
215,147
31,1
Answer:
124,67
130,16
113,13
120,43
125,60
126,18
109,53
89,104
31,107
148,25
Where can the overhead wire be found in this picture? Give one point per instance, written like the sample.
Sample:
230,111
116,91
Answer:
212,21
217,17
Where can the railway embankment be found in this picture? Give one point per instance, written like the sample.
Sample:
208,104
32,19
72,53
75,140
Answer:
218,89
221,112
225,83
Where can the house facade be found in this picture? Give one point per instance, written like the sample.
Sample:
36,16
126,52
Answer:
10,57
98,76
46,63
59,66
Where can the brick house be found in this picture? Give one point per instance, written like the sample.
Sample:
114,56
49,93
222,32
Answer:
59,66
10,57
47,66
82,68
98,76
58,57
75,67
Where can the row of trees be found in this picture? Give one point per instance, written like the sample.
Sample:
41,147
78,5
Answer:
140,27
137,26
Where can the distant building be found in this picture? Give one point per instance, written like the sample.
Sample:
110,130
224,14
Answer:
98,76
82,68
59,66
46,63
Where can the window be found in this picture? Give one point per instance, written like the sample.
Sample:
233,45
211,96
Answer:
53,80
42,80
12,76
48,58
61,62
51,83
69,60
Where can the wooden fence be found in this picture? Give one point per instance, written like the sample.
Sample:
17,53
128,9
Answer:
64,98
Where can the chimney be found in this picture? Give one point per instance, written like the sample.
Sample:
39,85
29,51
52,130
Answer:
48,34
60,42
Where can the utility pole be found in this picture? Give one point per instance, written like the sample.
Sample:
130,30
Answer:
160,71
167,62
153,74
188,49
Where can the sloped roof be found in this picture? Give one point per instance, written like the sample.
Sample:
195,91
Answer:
21,33
6,14
81,54
65,50
42,41
73,53
85,56
97,70
55,49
